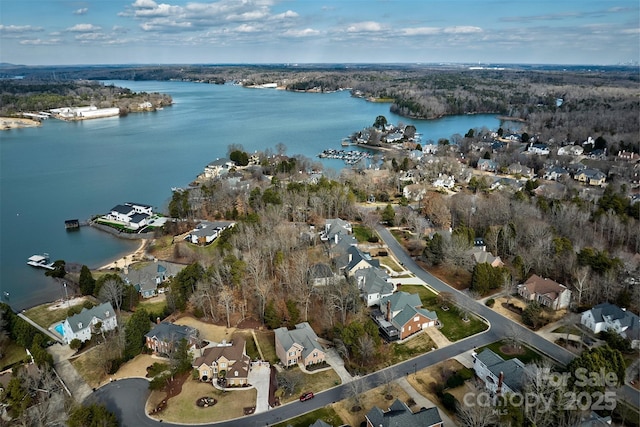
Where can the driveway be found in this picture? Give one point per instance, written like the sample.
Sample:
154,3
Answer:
80,390
337,364
259,377
423,402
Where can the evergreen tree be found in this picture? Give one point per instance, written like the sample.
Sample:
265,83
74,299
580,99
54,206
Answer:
135,330
86,281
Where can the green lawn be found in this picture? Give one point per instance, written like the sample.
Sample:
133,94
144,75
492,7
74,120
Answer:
528,356
46,315
155,308
266,341
326,414
412,348
362,233
454,328
13,353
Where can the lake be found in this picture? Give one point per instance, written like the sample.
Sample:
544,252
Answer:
73,170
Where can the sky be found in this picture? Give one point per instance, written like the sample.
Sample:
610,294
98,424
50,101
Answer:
69,32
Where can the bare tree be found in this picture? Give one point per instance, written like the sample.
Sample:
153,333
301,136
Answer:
4,333
52,408
225,299
476,416
354,392
113,291
289,380
366,348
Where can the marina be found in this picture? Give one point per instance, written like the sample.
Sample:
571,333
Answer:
350,157
40,261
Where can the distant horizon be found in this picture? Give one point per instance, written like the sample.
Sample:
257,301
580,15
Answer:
563,32
488,65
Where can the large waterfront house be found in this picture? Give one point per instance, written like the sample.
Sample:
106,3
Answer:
546,292
399,415
299,345
101,318
229,361
131,215
498,375
164,336
147,277
610,317
207,231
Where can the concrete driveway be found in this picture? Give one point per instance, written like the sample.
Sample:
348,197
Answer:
80,390
336,362
259,377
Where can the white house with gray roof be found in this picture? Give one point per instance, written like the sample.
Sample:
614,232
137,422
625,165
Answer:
81,325
299,345
207,231
374,284
610,317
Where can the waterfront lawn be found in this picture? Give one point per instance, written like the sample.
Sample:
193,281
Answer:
526,354
46,315
326,414
13,354
454,328
155,306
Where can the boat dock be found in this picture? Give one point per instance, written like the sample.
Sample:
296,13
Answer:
40,261
349,157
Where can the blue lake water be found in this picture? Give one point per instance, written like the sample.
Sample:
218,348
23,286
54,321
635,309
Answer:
73,170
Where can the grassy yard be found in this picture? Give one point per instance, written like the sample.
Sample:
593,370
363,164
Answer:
155,305
326,414
412,348
46,315
266,341
362,233
89,367
528,354
316,382
391,263
573,330
183,409
454,328
13,353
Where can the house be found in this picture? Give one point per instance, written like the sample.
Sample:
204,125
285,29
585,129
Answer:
373,284
518,169
570,150
590,176
334,228
207,231
147,277
230,362
480,255
487,165
499,375
403,312
539,149
556,173
164,336
444,181
299,345
608,316
414,192
356,260
399,415
217,168
627,156
101,318
321,274
132,215
546,292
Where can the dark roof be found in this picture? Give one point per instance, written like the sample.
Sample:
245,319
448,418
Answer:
122,209
169,332
513,370
138,217
399,415
82,320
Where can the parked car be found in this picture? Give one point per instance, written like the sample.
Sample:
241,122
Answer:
306,396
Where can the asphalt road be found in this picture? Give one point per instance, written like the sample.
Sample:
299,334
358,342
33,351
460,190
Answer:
127,398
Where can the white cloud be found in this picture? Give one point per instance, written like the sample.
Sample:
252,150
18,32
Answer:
462,30
19,29
40,42
287,14
367,26
82,11
307,32
245,28
421,31
83,28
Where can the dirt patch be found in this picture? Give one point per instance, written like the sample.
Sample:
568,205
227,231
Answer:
456,278
425,381
172,389
511,350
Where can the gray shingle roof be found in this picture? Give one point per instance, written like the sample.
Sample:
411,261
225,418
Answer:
513,370
83,319
169,332
303,334
399,415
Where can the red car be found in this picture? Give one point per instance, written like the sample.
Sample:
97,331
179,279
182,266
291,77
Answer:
306,396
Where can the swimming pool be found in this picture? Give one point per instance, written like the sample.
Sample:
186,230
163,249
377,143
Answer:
59,329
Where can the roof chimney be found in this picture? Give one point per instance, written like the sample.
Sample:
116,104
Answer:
500,381
158,320
388,310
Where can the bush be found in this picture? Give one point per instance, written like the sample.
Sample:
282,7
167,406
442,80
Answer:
449,402
490,302
75,344
373,239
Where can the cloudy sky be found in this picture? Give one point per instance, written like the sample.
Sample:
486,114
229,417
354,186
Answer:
60,32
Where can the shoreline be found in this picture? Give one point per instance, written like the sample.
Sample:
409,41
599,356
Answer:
135,256
8,123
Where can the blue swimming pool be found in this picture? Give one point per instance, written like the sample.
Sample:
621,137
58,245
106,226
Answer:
59,329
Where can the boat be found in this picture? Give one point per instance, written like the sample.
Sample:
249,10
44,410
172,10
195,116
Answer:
40,261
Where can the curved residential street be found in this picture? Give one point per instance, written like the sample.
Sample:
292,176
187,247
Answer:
126,398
